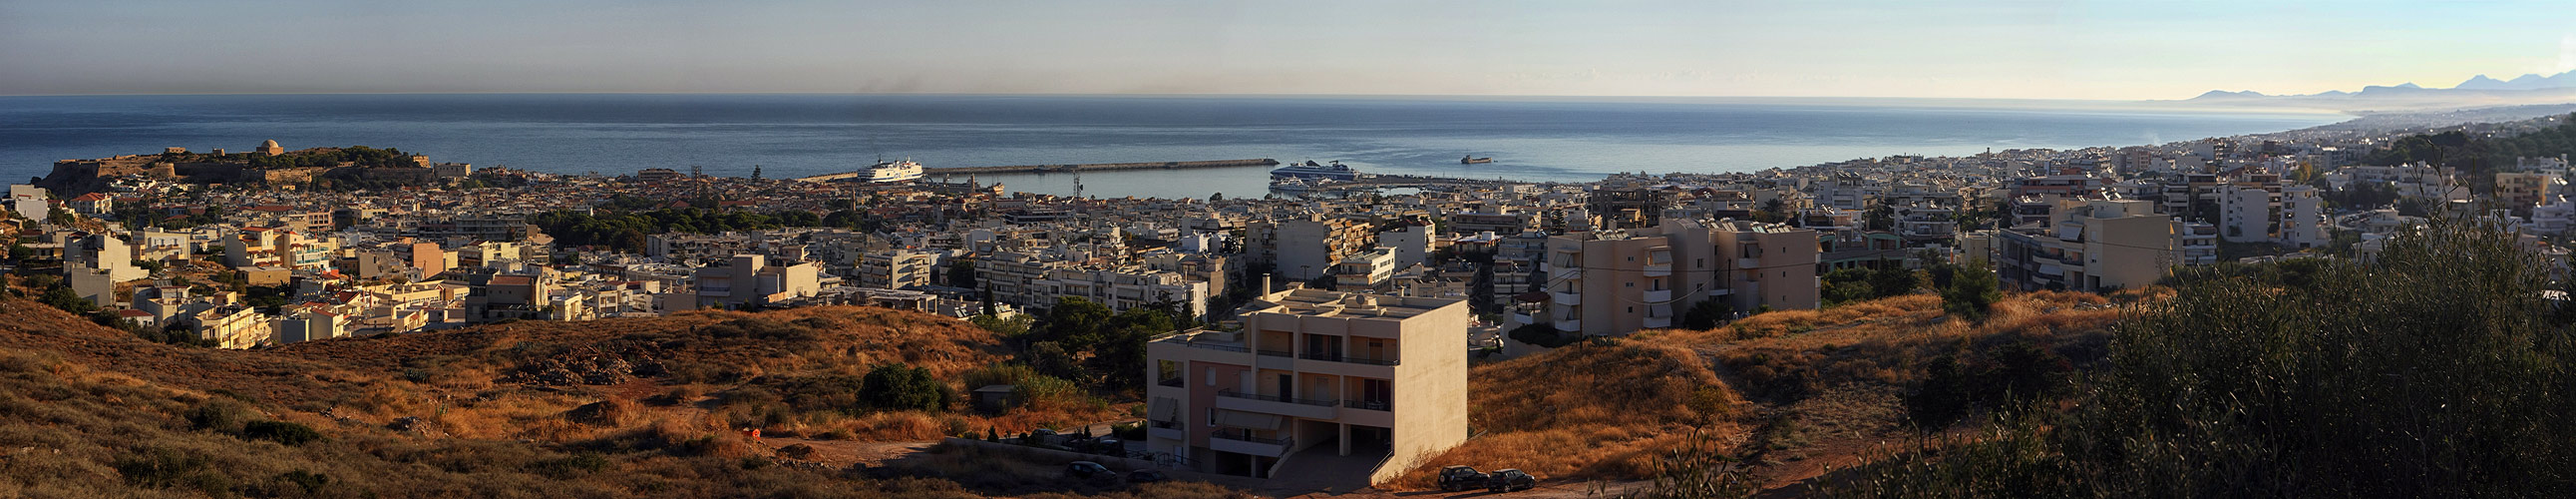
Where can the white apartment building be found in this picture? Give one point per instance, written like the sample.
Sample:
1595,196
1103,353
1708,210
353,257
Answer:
2303,218
1365,270
1377,382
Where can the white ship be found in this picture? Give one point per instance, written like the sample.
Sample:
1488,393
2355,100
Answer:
894,171
1309,169
1297,185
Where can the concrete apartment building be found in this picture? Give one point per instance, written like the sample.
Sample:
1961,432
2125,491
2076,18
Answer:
2092,245
751,279
2525,189
1313,379
894,269
1620,281
1366,270
1307,247
270,247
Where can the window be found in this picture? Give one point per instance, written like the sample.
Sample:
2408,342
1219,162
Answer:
1211,376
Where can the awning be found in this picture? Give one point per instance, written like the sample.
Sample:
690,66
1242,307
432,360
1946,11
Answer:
1164,409
1249,420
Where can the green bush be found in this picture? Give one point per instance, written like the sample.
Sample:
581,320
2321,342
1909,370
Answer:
2436,371
283,432
1543,335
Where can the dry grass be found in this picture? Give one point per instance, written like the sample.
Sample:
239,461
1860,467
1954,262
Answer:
78,400
1586,411
1892,349
1609,412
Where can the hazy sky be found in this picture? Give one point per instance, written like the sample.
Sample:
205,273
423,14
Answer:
2126,49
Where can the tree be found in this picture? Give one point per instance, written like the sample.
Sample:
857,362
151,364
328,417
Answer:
2434,371
1880,217
1892,279
961,274
1323,282
899,387
1075,322
1708,314
755,172
1973,290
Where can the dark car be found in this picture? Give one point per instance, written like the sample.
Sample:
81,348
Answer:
1108,446
1507,480
1146,476
1086,470
1457,478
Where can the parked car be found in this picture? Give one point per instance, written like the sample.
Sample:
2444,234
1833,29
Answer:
1510,479
1146,476
1086,470
1457,478
1108,446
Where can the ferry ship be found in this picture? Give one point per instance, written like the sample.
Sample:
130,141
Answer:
894,171
1309,169
1473,160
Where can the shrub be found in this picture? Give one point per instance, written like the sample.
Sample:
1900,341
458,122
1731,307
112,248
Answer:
283,432
898,387
220,415
1543,335
2432,372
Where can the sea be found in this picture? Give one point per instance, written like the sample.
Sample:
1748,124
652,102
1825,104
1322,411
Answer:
794,135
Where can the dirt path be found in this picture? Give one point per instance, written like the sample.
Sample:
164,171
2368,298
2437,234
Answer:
845,453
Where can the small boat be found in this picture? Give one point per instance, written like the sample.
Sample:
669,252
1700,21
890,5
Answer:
1472,159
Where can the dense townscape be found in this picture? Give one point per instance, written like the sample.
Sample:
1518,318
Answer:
1324,332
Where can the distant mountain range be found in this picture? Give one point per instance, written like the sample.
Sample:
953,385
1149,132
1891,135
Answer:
2477,91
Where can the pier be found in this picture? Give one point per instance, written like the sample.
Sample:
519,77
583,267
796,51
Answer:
1064,168
1388,181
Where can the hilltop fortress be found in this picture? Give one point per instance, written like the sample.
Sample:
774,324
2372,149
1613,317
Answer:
268,164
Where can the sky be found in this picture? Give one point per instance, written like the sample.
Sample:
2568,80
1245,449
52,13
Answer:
2123,49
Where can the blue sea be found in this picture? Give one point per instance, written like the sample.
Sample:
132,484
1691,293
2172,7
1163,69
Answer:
1540,139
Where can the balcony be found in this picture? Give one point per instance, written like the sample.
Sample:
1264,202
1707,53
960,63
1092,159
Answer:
1351,360
1658,322
1659,296
1174,430
1174,382
1748,263
1564,298
1247,444
1524,318
1273,404
1369,405
1568,325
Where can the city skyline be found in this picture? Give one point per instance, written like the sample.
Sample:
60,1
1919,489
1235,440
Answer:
2058,50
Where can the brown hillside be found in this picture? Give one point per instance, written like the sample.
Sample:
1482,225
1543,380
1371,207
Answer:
1801,390
87,411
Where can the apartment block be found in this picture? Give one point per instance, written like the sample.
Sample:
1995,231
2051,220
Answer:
1320,379
752,279
2093,245
1620,281
894,269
